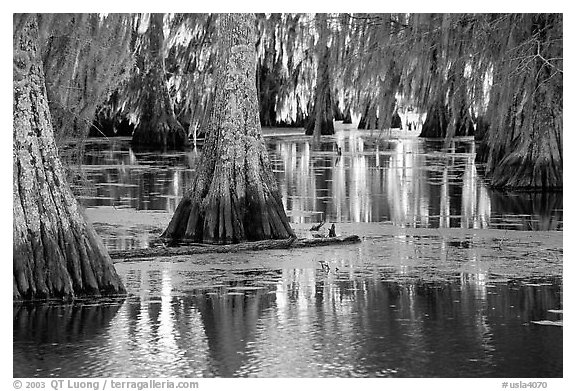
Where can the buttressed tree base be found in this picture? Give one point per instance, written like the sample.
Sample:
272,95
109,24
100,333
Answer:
234,197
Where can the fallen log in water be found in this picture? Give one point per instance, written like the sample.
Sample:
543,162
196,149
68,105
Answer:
203,248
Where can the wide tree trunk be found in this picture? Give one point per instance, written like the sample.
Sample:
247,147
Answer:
321,120
234,196
57,254
524,152
522,146
157,126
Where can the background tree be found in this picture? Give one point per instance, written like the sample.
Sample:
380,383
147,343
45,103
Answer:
84,56
450,67
269,75
234,196
190,66
522,147
56,253
322,117
285,72
156,124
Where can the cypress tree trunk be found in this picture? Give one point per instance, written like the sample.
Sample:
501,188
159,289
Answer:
322,119
347,115
57,254
522,146
369,119
157,126
524,151
436,122
444,123
234,196
396,121
269,78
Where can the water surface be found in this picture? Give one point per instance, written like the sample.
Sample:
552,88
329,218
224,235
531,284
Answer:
350,177
303,322
414,299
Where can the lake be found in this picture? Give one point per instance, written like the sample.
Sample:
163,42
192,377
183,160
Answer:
451,279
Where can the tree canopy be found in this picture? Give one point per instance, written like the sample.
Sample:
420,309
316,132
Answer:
495,76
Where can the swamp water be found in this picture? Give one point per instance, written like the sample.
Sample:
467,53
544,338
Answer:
451,279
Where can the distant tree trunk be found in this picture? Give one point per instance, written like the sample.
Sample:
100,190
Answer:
396,121
56,253
157,126
337,112
436,121
269,79
347,115
369,119
444,123
322,119
480,134
234,196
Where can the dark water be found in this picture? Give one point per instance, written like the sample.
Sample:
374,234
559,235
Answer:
392,306
408,181
296,323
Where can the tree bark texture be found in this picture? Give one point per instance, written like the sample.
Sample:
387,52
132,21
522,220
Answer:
234,196
157,126
57,254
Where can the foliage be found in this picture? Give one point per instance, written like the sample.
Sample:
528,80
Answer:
502,71
85,56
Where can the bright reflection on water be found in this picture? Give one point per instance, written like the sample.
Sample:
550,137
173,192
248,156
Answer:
406,302
181,321
408,181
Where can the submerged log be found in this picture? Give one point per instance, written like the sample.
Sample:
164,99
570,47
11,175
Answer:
203,248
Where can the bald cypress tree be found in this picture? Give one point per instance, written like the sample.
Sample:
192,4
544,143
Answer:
85,57
522,147
56,253
322,118
157,126
234,196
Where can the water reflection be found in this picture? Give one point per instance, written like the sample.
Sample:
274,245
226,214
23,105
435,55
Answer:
298,322
346,178
49,339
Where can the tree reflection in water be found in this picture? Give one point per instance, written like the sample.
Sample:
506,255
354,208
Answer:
408,181
48,338
300,322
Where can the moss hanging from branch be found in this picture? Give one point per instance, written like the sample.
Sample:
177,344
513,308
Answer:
85,57
156,124
522,147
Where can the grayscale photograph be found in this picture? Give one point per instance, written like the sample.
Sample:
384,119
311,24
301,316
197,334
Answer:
287,195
